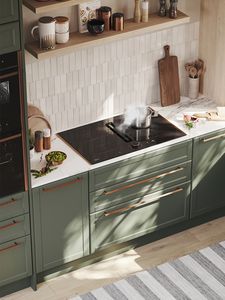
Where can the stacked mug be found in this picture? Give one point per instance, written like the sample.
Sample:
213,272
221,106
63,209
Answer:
61,29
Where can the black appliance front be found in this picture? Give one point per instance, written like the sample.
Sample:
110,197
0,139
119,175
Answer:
10,123
11,167
110,138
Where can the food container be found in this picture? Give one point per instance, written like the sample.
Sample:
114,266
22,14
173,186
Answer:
144,117
95,26
61,24
55,158
118,22
62,38
104,13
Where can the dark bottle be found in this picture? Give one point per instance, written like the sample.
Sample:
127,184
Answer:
173,9
163,8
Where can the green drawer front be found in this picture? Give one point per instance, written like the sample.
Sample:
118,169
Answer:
14,228
138,188
123,223
9,37
9,11
15,260
140,165
13,205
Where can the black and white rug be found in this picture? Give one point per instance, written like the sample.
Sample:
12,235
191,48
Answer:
198,276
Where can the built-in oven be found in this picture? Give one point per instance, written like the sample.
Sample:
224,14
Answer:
10,121
11,166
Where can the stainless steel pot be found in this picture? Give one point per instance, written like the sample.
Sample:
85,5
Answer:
144,117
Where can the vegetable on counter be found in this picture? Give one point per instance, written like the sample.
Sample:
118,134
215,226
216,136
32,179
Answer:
190,121
55,157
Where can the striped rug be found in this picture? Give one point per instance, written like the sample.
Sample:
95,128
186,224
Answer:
198,276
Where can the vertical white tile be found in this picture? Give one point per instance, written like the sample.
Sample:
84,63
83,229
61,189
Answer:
75,75
28,73
51,86
32,89
66,67
81,82
35,71
44,84
38,89
57,85
47,67
72,61
93,71
41,67
78,60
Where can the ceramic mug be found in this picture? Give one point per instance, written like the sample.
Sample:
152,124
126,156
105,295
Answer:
46,28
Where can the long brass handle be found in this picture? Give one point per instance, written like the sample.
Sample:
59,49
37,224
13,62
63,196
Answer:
6,162
142,181
214,138
78,179
8,75
139,204
14,223
10,138
11,201
14,245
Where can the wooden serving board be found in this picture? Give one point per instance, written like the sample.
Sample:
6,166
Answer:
169,78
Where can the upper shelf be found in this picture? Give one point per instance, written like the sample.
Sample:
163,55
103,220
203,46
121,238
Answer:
43,7
131,29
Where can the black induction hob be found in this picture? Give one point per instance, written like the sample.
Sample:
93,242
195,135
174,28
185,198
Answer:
108,139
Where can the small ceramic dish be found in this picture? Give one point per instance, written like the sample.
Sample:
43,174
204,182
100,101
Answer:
55,158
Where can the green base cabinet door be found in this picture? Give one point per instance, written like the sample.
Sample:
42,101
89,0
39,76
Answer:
208,173
9,11
140,216
61,222
15,260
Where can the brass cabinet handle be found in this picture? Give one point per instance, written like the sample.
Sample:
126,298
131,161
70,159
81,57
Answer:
10,138
11,201
142,181
214,138
13,223
14,245
78,179
8,75
139,204
6,162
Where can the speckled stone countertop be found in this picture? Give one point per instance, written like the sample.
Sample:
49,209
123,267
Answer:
75,164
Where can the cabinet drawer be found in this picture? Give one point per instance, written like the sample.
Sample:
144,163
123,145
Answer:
139,217
9,37
14,228
15,260
140,165
141,186
9,11
13,205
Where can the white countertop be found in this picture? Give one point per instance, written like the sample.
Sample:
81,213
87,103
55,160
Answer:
75,164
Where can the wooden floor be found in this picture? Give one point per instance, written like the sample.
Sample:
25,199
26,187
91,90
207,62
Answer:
120,266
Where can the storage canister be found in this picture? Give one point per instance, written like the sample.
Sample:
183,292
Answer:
118,21
38,142
104,13
47,139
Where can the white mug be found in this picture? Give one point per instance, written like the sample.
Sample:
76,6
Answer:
46,28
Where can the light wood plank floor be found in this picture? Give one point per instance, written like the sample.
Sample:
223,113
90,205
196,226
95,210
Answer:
120,266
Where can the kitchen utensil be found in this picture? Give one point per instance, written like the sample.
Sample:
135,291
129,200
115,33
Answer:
137,12
169,78
46,28
143,119
95,26
163,8
173,9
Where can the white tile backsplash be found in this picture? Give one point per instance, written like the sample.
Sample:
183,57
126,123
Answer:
96,82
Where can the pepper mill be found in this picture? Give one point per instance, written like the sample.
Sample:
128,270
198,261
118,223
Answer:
137,12
163,8
173,9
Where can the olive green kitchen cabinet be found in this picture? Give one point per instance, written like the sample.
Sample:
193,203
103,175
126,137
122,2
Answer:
208,173
139,195
61,226
9,11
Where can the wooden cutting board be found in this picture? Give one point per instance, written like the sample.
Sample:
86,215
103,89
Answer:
169,78
211,116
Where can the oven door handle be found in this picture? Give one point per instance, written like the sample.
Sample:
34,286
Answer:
6,162
8,75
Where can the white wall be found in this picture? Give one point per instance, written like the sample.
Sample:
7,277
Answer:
96,82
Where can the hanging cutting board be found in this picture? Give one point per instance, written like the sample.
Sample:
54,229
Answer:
169,79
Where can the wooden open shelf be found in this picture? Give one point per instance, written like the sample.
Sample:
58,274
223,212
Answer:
78,40
43,7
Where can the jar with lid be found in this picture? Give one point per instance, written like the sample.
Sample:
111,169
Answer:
104,13
118,21
38,142
46,138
